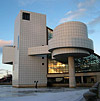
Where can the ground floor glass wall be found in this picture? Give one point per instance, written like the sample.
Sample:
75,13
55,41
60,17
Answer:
57,67
86,64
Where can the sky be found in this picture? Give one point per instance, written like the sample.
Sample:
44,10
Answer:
57,12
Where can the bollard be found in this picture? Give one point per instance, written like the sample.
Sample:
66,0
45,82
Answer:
90,96
36,83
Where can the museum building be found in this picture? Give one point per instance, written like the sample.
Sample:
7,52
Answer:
60,57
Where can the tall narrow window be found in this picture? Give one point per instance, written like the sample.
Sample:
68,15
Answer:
18,42
26,16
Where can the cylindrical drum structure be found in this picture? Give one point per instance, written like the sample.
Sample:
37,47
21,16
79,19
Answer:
70,39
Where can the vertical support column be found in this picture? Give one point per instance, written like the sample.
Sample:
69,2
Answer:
72,81
82,79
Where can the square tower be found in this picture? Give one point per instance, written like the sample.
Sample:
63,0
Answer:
30,31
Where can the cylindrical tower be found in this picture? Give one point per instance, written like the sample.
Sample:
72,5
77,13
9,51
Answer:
70,40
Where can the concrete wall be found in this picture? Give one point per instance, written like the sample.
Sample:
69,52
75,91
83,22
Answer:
8,55
15,80
31,33
70,39
39,50
70,34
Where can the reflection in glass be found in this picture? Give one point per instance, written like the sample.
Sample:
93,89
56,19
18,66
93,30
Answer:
86,64
57,67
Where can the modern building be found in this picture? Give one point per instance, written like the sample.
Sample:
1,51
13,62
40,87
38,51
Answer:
60,57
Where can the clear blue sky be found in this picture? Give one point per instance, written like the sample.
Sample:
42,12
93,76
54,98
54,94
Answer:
57,11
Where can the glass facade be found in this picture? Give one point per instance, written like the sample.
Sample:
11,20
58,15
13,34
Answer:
88,64
56,67
50,33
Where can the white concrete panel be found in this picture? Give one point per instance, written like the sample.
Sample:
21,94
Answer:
39,50
15,79
8,55
32,33
70,50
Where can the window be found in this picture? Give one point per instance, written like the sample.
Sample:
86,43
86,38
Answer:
42,57
18,43
56,67
26,16
42,63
